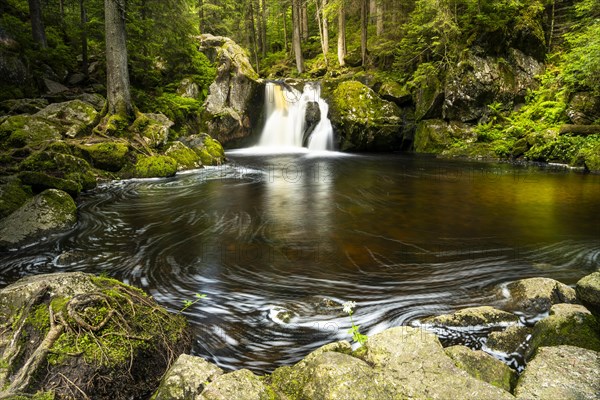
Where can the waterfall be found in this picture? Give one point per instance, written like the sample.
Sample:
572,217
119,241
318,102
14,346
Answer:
295,120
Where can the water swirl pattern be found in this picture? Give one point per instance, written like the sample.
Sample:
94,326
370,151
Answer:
279,242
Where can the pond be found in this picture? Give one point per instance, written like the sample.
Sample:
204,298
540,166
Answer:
278,242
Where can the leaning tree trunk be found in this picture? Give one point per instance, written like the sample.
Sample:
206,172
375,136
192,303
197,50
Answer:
342,34
296,36
117,74
37,25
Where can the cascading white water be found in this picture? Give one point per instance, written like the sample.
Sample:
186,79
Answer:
286,118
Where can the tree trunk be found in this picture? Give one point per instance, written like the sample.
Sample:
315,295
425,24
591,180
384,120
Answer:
84,40
200,15
263,26
285,35
325,28
321,22
37,24
296,22
364,15
252,34
117,74
304,19
379,16
342,33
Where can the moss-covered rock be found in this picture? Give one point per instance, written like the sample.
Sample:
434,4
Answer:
436,136
567,324
588,292
428,95
474,316
50,211
584,109
22,130
186,378
40,181
362,120
113,125
395,92
110,156
588,156
511,340
212,152
23,106
155,167
536,295
12,196
241,384
153,128
73,117
483,367
561,372
109,339
186,158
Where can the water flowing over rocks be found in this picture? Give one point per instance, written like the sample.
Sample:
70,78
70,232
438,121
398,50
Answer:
234,101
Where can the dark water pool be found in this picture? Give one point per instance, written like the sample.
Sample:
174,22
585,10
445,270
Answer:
278,242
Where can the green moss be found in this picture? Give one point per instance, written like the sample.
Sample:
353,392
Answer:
483,367
588,155
12,196
113,125
562,149
39,319
40,181
155,167
38,396
22,130
110,156
212,152
186,158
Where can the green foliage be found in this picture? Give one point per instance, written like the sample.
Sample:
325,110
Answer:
188,303
155,167
582,62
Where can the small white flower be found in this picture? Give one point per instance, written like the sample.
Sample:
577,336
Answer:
349,306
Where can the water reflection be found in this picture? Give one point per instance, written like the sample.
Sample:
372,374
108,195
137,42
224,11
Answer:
279,242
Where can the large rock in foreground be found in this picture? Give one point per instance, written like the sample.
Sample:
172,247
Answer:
535,296
48,212
235,98
81,337
588,292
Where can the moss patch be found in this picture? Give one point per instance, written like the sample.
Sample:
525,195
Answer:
12,196
186,158
155,167
110,156
211,153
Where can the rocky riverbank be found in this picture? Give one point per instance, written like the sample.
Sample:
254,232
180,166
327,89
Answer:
93,337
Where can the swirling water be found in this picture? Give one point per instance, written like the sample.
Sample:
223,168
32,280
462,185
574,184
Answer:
278,242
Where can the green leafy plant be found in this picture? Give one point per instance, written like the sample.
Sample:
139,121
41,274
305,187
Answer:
188,303
357,337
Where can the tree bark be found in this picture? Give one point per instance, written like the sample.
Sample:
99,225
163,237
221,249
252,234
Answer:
364,15
200,15
320,17
285,35
37,24
379,16
117,74
296,22
342,33
84,40
304,19
263,26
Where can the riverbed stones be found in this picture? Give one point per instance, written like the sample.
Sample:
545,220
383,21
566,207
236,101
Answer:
588,292
186,378
483,366
72,117
511,340
567,324
49,212
474,316
561,372
82,336
536,295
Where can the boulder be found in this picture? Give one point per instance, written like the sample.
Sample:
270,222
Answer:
428,96
588,292
210,150
72,117
311,119
436,135
23,130
153,128
511,340
584,109
234,102
474,316
241,384
567,324
52,87
109,156
75,331
49,212
362,120
158,166
95,99
188,88
483,367
23,106
186,378
12,195
394,92
186,158
535,296
561,372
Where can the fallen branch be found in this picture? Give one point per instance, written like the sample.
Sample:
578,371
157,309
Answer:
580,130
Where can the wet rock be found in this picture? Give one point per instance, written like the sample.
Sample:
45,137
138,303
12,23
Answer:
311,119
23,106
72,117
584,109
474,316
186,378
186,158
561,372
511,340
109,339
588,292
49,212
234,100
362,120
241,384
436,135
536,295
567,324
483,367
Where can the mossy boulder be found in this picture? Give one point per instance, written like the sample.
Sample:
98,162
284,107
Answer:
535,296
12,195
561,372
436,136
24,130
588,292
588,156
474,316
209,149
49,212
153,128
567,324
73,117
511,340
241,384
158,166
395,92
183,379
108,339
40,181
483,367
109,156
428,95
23,106
584,109
186,158
362,120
